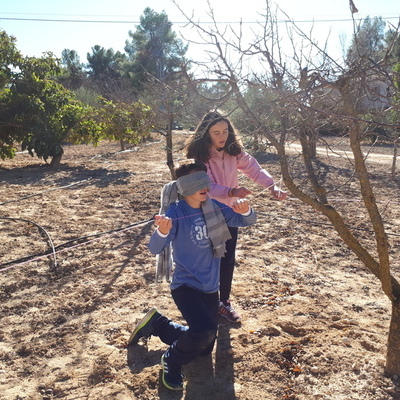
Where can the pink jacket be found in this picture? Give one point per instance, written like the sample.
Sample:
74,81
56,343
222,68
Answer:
222,169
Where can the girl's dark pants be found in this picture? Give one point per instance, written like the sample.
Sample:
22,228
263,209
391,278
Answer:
200,310
227,266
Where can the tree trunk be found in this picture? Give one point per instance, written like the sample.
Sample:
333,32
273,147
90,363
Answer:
168,139
122,144
393,346
309,152
256,143
56,160
367,192
394,157
313,143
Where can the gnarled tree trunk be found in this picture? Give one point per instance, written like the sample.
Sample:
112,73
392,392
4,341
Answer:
393,346
169,144
56,160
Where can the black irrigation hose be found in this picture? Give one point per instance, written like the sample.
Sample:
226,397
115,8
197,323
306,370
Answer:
20,260
103,233
54,265
60,246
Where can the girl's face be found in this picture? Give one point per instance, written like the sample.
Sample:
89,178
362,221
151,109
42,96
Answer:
219,134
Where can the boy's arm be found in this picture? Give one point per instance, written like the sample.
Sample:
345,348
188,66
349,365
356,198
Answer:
162,235
157,242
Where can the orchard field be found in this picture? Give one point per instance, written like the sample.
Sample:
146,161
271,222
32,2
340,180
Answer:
315,321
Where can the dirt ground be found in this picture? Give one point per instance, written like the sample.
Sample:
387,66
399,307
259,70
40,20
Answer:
315,321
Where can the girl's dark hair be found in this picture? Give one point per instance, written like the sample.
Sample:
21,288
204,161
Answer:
198,146
187,169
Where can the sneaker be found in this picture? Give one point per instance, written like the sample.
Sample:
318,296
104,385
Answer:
145,327
171,377
226,311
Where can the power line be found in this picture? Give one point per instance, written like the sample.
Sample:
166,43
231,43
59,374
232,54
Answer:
86,21
67,20
110,15
67,15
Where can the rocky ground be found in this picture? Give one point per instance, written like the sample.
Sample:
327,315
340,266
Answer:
315,321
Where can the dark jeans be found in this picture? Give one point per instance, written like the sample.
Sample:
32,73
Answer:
227,266
200,310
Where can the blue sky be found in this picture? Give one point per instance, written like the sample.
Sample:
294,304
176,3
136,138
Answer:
36,37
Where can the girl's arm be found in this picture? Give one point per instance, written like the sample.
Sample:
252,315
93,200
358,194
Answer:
250,167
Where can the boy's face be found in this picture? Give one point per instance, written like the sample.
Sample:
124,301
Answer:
198,197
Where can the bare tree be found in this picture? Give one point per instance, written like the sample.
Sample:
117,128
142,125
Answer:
311,91
171,101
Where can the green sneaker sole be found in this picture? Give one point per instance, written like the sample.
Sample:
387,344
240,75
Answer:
165,383
135,335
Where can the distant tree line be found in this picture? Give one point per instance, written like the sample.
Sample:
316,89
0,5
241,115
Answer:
46,102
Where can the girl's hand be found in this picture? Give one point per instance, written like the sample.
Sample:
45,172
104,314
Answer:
241,192
278,194
241,206
163,223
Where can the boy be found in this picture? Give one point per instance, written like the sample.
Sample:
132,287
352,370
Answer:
197,227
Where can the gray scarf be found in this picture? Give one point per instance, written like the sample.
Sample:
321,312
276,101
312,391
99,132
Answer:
169,194
217,229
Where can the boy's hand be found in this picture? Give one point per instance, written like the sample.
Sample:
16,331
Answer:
241,206
163,223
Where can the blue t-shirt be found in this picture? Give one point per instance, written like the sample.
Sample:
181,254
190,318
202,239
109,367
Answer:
195,264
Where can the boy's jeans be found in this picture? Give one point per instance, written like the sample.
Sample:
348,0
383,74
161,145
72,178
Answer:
200,310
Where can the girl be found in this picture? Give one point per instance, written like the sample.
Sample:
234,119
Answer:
216,144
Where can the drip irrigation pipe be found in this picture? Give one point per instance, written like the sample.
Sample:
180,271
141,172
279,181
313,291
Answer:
65,244
52,265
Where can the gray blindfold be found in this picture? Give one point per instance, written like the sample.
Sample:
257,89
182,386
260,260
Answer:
190,184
